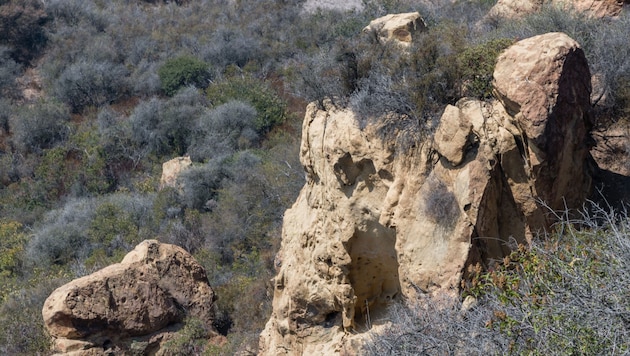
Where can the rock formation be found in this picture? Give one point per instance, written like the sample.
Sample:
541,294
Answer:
130,307
520,8
171,170
396,27
378,219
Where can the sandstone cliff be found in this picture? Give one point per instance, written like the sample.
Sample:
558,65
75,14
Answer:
376,220
132,307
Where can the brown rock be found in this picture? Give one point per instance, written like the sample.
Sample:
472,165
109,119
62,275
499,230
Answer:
396,27
376,220
153,289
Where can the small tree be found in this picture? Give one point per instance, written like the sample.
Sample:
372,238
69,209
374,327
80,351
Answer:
183,71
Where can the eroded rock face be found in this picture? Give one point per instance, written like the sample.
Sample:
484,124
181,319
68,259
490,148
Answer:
377,220
396,27
520,8
142,299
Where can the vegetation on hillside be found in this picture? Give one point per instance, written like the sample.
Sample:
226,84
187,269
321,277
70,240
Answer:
567,294
116,88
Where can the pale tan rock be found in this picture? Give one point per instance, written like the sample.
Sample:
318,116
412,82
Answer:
153,289
545,84
520,8
377,220
171,170
451,136
396,27
515,8
596,8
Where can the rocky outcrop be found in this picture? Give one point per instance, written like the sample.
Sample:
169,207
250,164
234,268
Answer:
396,27
548,94
520,8
598,8
130,307
171,170
515,8
377,219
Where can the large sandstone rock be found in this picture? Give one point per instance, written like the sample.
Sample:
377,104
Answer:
377,220
139,302
520,8
396,27
544,83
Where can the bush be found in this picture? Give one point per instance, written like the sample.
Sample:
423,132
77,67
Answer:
40,126
564,295
181,72
200,183
223,130
232,46
270,108
23,331
165,127
440,204
476,66
12,242
22,26
87,83
568,293
9,70
61,236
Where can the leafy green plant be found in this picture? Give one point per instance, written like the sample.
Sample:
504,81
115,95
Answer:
476,65
270,108
183,71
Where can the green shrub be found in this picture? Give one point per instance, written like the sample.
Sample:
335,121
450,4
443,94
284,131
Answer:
183,71
269,106
189,340
476,66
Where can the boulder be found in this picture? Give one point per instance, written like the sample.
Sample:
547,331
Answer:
139,301
596,8
515,8
544,82
396,27
380,218
520,8
171,170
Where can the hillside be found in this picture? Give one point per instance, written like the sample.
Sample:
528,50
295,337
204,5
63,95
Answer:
97,95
